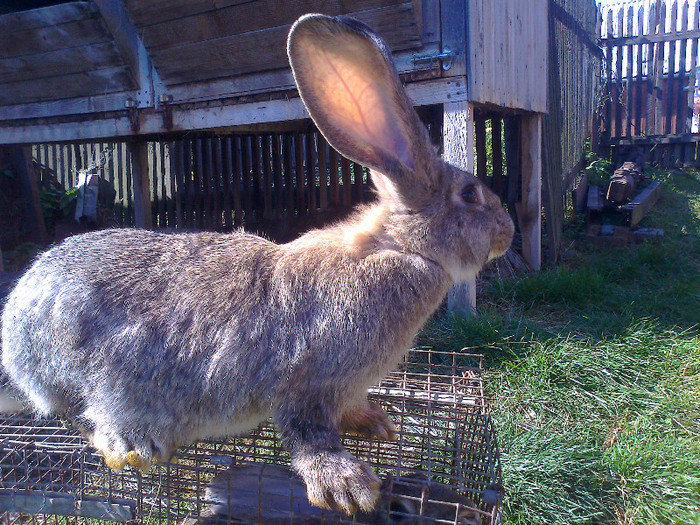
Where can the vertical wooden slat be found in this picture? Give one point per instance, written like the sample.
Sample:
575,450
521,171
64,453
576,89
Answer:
224,154
140,177
608,80
177,216
333,175
267,183
287,144
278,176
458,148
529,210
682,83
347,183
258,202
310,163
299,171
659,73
640,108
629,106
236,176
692,74
358,182
199,184
618,76
322,171
214,169
247,183
670,96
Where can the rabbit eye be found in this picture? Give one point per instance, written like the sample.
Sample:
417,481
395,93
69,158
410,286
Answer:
469,195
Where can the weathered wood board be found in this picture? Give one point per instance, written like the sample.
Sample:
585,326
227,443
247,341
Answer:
507,46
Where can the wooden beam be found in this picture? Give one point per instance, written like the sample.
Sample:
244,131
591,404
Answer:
458,147
132,51
140,184
186,118
529,209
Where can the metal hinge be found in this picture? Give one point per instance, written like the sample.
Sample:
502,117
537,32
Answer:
444,58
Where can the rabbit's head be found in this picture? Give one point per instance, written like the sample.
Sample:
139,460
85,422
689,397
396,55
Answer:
349,84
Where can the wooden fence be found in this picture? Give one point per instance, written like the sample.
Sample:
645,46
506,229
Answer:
573,93
279,183
650,73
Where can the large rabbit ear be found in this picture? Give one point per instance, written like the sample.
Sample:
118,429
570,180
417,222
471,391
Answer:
348,81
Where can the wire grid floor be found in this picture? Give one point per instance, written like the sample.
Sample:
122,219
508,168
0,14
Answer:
436,400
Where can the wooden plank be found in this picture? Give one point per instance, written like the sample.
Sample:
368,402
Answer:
515,55
682,83
658,139
176,183
640,95
299,171
23,21
189,195
51,38
225,161
659,91
105,80
19,160
258,202
310,164
346,181
247,187
530,206
322,171
650,38
267,182
629,29
333,175
458,150
618,108
278,174
236,176
670,91
246,17
692,74
266,49
145,12
140,180
651,71
62,62
640,205
201,187
607,133
288,175
214,176
358,182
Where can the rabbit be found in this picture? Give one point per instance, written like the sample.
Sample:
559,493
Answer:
270,494
148,341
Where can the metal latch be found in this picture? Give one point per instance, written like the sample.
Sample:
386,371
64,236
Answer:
445,58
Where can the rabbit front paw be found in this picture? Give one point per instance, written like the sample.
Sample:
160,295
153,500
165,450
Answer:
338,481
369,420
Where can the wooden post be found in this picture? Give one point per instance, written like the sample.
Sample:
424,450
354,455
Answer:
458,147
529,209
140,184
19,160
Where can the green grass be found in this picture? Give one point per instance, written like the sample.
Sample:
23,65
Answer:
593,368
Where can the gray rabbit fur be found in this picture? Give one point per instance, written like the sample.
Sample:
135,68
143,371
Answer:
150,341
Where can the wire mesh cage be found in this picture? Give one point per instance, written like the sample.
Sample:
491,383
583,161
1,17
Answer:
442,468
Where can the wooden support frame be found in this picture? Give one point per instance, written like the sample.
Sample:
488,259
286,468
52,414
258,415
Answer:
529,208
140,184
458,148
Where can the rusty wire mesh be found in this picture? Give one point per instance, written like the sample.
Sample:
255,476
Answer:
443,468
